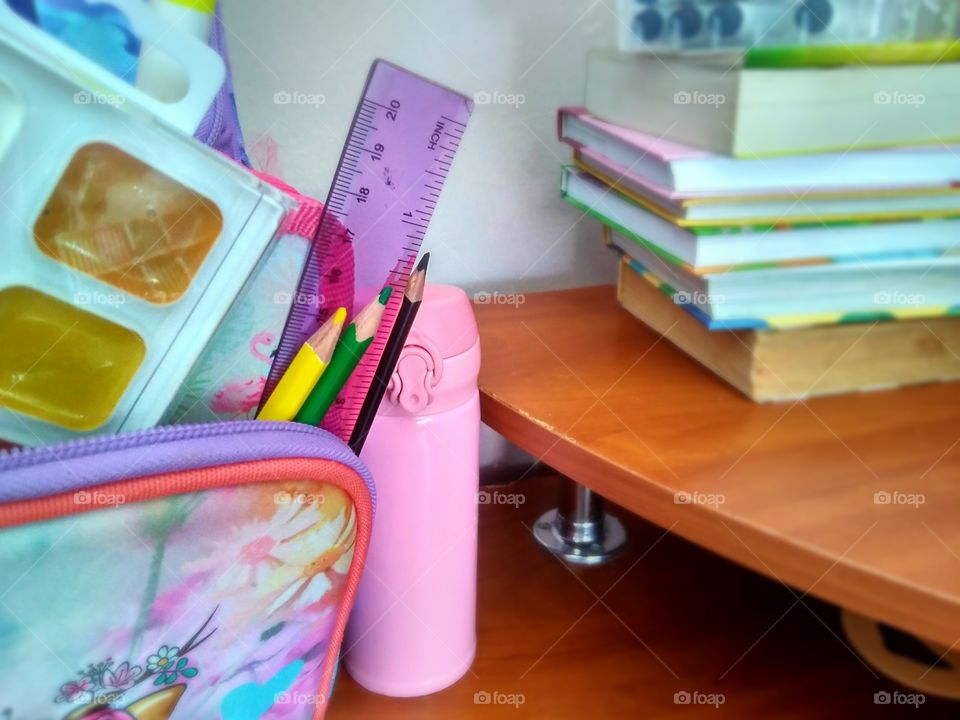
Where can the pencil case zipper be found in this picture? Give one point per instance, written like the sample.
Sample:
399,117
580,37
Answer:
44,471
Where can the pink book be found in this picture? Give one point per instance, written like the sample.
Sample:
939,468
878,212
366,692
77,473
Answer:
668,172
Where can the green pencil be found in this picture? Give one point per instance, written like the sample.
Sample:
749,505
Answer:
353,344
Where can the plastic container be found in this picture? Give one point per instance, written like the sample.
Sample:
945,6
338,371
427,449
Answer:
413,627
157,73
697,25
125,240
198,64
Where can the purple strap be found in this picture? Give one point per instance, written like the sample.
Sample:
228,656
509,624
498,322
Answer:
220,127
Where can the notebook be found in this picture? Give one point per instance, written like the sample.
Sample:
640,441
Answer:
749,244
716,103
677,171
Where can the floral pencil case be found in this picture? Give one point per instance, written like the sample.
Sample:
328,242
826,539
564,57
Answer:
197,572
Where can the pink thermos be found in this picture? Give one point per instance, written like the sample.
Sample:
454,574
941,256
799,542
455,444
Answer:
413,627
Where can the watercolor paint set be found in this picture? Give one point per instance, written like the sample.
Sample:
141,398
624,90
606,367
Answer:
697,25
126,241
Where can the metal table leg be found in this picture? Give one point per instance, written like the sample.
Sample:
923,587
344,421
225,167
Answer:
578,530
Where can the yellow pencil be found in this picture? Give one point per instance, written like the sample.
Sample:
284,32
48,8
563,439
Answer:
304,372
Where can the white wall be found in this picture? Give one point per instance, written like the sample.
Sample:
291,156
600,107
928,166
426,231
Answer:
500,224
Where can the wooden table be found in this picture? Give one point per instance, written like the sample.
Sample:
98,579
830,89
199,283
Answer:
855,499
618,641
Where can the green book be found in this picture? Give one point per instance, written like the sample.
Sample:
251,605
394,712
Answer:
721,103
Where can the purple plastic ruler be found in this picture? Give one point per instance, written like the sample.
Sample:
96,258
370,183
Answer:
401,144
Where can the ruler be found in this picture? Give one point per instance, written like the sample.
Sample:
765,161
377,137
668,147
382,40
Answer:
402,141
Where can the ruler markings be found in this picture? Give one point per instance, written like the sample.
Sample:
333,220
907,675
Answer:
416,124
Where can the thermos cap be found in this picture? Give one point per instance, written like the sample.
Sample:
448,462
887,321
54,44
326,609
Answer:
446,317
438,365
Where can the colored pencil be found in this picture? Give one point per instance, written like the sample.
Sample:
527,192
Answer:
305,370
353,344
412,297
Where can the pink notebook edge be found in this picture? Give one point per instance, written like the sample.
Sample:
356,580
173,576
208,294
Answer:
656,192
665,150
670,152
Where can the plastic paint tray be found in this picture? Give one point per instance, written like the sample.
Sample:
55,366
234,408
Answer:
125,242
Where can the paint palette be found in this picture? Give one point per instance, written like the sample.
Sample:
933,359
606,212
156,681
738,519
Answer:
125,243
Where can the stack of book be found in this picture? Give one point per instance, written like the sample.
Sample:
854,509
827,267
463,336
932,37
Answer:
791,220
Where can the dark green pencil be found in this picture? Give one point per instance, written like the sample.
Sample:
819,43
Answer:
351,347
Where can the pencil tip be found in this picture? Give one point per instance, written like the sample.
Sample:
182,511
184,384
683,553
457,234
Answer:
340,316
424,261
385,295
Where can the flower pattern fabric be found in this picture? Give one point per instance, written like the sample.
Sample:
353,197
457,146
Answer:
171,605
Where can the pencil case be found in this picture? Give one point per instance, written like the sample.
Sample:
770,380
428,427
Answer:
228,380
190,572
